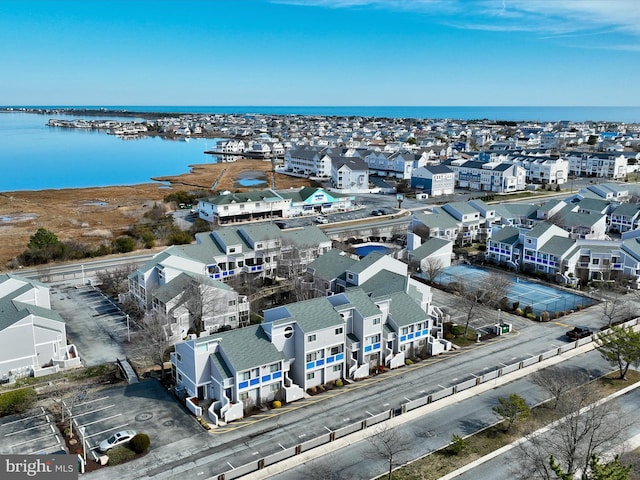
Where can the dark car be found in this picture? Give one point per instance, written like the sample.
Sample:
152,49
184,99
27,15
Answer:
377,213
578,332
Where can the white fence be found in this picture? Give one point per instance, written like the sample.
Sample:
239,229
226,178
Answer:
406,407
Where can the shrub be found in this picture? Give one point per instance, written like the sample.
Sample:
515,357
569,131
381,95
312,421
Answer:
519,311
528,309
579,307
457,445
516,305
544,316
339,383
120,455
124,244
276,404
531,316
457,330
140,443
17,401
408,361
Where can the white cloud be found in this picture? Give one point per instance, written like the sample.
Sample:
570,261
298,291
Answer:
546,17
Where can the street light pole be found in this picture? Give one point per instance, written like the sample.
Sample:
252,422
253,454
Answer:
128,330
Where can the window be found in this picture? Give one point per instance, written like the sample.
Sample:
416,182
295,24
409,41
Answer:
244,376
232,303
405,330
274,367
376,321
337,349
258,245
595,261
179,377
288,331
337,368
179,357
311,338
274,387
255,372
232,249
311,375
244,396
311,357
339,331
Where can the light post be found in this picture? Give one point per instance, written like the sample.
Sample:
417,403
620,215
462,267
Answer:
128,330
82,268
84,444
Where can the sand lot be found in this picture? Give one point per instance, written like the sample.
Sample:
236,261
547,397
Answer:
91,215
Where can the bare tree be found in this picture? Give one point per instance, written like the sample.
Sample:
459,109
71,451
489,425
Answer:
115,280
585,427
432,267
559,381
496,288
422,231
202,301
388,443
151,343
471,299
615,305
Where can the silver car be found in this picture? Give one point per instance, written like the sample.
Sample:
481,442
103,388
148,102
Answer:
118,438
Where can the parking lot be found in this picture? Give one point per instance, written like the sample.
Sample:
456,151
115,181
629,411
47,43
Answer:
145,407
94,323
31,433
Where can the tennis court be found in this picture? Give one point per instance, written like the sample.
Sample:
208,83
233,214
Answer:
539,297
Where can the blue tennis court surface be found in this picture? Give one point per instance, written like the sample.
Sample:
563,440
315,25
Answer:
540,297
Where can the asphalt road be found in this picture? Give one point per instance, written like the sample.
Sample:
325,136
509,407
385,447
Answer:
210,454
434,431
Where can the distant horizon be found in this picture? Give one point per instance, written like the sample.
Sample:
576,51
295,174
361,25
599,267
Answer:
462,113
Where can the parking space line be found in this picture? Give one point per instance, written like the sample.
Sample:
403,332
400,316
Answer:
93,411
21,420
105,431
31,440
24,430
101,419
92,401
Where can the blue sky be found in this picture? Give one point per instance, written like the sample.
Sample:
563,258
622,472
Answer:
320,52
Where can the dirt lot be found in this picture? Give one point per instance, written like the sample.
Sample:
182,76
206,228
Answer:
93,215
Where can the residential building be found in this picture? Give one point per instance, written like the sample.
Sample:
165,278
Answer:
304,345
434,180
349,174
611,165
199,303
33,336
243,206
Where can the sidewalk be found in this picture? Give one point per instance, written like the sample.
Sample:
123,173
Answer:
340,443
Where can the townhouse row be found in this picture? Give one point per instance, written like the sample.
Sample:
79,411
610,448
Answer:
199,272
376,318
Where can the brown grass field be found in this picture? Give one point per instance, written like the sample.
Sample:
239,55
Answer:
91,215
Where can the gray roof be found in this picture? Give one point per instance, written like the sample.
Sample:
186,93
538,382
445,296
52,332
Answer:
365,262
304,237
12,311
361,301
557,246
540,229
245,348
313,315
627,210
429,247
437,219
595,204
178,285
384,283
516,210
243,197
507,235
332,264
404,310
